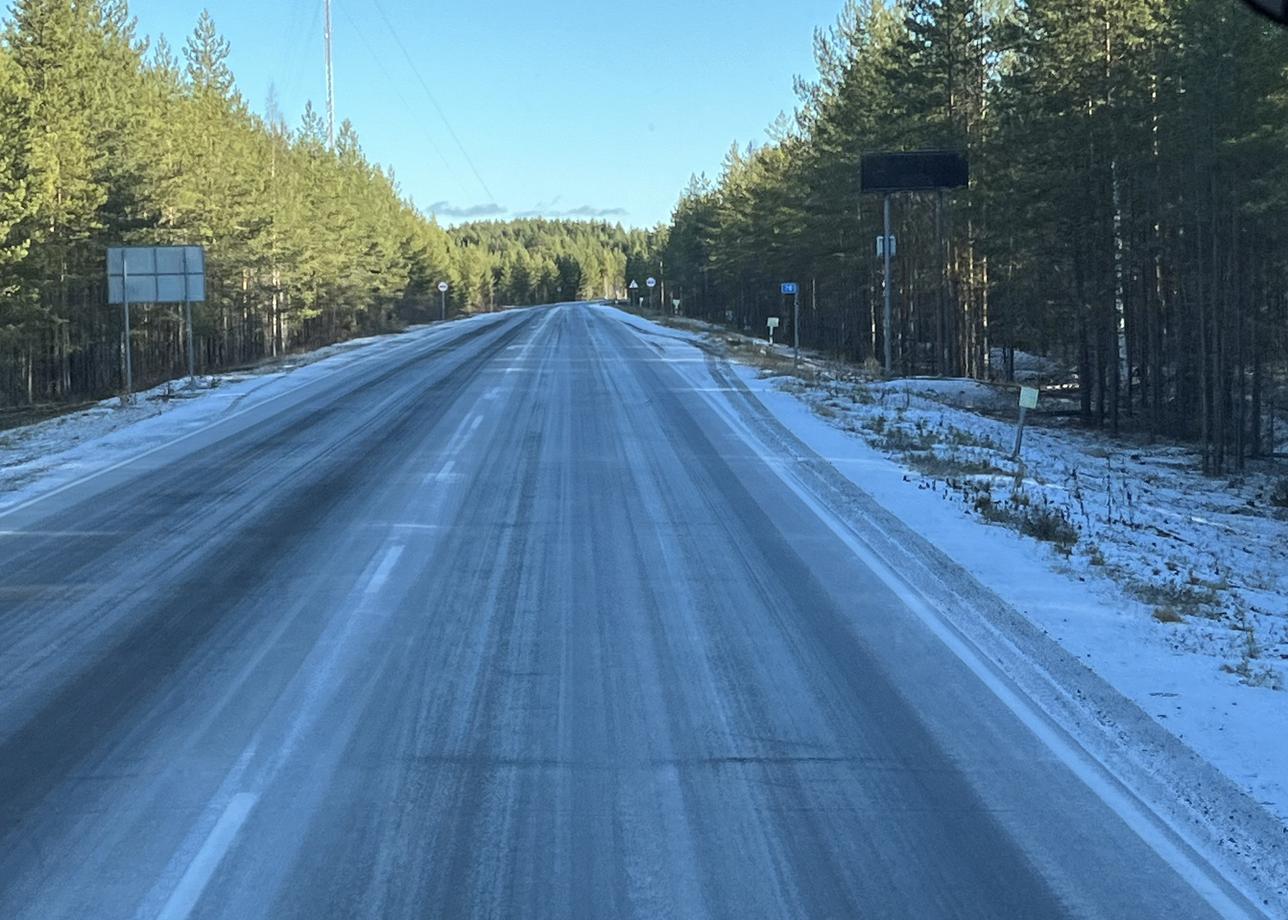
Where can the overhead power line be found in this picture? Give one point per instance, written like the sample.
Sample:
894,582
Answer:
393,85
299,46
429,94
330,74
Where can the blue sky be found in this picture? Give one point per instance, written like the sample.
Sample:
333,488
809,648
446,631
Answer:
563,107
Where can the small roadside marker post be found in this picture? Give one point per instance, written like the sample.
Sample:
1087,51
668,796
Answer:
772,323
442,293
1028,400
792,289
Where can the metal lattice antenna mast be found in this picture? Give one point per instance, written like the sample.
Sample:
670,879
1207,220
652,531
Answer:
330,81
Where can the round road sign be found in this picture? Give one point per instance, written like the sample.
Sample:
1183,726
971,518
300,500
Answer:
442,286
652,282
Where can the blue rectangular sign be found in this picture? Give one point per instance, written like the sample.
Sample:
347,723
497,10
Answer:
789,287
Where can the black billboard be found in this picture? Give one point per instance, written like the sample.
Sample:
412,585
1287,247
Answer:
916,171
1275,9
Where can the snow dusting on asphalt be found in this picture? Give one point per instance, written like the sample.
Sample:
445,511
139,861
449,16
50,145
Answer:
37,459
1170,586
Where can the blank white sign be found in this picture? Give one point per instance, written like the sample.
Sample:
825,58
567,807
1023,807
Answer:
156,274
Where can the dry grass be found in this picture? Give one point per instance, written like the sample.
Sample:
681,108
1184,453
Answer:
948,466
1184,599
1039,520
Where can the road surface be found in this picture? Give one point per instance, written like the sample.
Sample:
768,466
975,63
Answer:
516,623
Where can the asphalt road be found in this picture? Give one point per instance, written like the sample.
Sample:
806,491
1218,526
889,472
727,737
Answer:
515,624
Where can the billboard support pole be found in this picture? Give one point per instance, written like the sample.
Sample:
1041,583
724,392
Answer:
886,332
796,330
187,322
125,339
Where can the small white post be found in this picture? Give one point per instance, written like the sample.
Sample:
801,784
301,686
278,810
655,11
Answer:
1028,400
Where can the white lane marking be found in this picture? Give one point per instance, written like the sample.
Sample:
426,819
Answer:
60,533
454,445
703,389
457,440
428,339
516,366
188,892
381,574
1152,828
322,676
196,877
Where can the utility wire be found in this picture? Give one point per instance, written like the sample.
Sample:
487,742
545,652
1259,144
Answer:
301,42
430,95
393,84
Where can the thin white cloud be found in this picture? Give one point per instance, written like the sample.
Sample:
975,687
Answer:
585,211
447,209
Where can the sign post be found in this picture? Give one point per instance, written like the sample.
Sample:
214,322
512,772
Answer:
792,289
156,274
187,322
887,314
442,295
772,323
1028,400
652,283
634,287
125,340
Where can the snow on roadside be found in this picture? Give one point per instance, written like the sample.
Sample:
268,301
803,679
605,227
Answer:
1207,558
1195,677
1172,586
36,459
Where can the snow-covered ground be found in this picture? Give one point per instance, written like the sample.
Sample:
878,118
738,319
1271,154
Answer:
1170,585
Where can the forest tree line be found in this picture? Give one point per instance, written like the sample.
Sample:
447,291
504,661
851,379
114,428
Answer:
1127,212
109,139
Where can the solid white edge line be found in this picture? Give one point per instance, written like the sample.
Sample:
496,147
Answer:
1135,813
